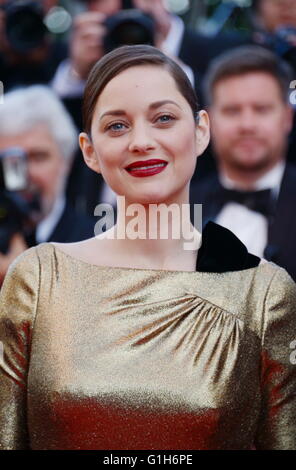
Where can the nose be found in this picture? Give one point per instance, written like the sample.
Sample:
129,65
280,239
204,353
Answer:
141,139
247,120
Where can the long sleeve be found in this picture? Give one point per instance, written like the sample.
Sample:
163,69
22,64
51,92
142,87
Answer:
18,304
277,424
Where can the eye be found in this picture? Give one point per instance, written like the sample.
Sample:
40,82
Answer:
165,118
116,127
262,109
231,111
38,157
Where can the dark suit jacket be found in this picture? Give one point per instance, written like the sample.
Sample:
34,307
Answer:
281,246
29,73
71,227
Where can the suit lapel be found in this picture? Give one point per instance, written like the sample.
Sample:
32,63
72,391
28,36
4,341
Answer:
64,224
207,195
282,222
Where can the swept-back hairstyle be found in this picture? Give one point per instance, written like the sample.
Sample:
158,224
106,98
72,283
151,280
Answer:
123,58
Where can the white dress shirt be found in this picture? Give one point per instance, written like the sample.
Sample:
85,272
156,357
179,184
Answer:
45,228
249,226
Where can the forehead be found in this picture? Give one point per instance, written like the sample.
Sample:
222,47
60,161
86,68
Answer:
108,7
253,86
140,85
38,136
276,5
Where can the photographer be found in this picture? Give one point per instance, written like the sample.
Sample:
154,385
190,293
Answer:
29,54
34,122
89,40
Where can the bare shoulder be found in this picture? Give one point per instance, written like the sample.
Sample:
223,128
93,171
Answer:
93,250
76,248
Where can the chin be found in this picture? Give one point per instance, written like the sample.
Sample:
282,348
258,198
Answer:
148,198
151,199
247,163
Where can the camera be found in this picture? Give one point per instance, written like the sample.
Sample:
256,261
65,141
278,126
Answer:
24,25
16,210
129,26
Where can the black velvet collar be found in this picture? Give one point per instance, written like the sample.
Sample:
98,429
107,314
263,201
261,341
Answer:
222,251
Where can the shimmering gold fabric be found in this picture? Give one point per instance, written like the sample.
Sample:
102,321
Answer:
121,358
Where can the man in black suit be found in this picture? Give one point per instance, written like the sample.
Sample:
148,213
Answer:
34,122
254,192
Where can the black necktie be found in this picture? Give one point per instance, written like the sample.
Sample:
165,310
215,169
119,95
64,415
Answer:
258,201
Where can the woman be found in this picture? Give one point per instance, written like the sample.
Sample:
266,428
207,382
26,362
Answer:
120,342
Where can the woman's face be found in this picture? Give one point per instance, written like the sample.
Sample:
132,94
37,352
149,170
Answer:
141,117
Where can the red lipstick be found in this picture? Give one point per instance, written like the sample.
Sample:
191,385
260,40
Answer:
146,167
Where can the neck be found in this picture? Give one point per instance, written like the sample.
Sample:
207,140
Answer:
244,178
154,234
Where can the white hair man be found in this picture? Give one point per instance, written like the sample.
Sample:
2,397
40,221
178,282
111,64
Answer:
34,120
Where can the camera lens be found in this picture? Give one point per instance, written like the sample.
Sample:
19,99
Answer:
25,29
128,27
131,33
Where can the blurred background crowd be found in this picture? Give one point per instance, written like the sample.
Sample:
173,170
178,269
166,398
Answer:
239,55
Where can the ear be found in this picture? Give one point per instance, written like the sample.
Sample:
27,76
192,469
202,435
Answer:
202,132
88,151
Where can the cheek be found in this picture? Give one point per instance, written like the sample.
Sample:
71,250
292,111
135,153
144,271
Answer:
184,137
221,125
185,141
273,128
107,160
37,174
55,169
221,130
51,174
110,155
185,149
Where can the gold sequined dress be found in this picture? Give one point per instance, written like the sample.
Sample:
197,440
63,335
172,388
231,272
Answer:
99,357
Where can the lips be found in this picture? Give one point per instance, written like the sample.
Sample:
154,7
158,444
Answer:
146,164
145,168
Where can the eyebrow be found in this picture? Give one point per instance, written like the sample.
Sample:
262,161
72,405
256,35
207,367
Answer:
37,151
121,112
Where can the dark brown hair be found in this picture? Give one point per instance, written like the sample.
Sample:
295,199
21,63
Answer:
244,60
123,58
